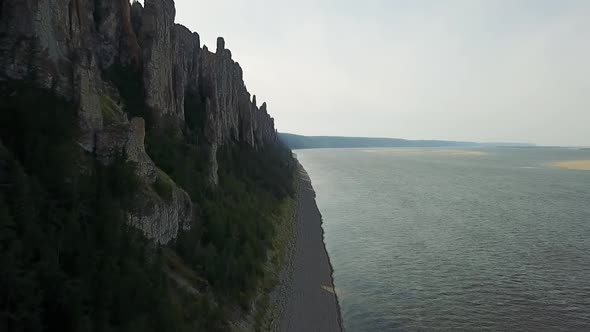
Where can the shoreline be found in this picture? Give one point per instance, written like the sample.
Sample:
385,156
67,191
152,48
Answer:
340,319
301,301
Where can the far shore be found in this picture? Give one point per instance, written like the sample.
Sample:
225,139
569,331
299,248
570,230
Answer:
580,165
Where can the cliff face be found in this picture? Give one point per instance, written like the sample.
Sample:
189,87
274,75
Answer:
69,46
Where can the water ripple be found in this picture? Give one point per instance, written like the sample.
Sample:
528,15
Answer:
456,243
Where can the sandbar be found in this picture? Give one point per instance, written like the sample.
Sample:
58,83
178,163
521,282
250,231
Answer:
580,165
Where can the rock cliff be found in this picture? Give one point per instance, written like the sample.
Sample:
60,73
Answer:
69,47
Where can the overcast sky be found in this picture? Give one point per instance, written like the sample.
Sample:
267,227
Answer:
493,70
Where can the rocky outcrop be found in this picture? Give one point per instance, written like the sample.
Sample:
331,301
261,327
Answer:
67,46
186,66
159,217
174,64
35,42
157,41
222,82
64,45
162,218
116,40
126,137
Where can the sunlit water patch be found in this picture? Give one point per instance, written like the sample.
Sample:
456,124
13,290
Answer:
580,165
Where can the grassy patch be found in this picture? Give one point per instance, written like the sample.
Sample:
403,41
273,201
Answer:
111,112
164,186
176,265
265,312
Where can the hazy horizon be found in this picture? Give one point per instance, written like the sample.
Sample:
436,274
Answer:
502,71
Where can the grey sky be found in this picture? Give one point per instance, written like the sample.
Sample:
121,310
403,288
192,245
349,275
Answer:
494,70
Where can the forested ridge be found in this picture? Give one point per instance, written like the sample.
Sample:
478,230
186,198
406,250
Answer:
141,186
71,262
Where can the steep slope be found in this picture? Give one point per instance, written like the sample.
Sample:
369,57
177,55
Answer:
112,112
71,47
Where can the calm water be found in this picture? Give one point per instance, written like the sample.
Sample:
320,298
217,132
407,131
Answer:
424,242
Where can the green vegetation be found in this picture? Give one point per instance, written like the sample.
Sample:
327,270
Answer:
164,186
69,260
111,112
236,226
233,231
265,313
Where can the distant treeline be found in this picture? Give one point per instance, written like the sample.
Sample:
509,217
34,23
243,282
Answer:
318,142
